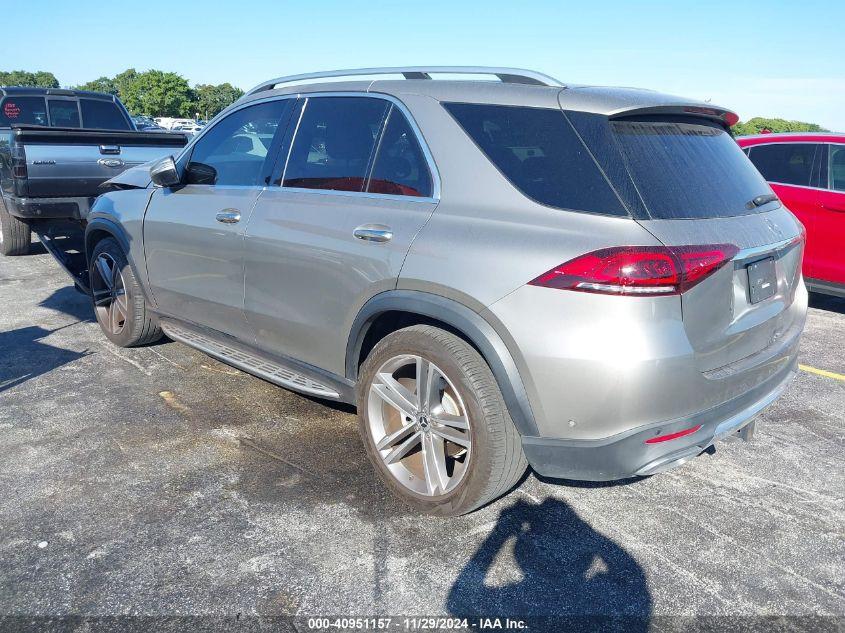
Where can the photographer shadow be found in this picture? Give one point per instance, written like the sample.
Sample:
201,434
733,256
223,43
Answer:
543,564
24,355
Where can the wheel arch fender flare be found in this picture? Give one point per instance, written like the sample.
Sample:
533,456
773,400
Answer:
104,225
113,229
467,322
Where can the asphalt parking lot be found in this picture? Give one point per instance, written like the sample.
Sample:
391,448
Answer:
158,481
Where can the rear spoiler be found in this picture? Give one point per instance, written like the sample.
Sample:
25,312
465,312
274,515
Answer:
76,136
714,113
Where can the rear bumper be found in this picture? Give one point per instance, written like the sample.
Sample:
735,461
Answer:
627,455
49,208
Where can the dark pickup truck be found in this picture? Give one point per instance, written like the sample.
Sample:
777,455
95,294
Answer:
56,148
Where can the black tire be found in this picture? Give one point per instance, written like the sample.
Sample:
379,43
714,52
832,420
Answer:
497,461
140,326
15,235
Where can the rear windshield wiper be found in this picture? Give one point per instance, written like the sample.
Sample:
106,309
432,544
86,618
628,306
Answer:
759,201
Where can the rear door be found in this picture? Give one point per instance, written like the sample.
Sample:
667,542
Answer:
829,232
792,170
698,188
193,233
355,189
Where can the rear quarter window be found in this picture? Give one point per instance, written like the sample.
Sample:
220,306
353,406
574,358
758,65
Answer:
538,151
23,111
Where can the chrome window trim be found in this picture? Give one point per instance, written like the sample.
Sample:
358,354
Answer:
429,159
830,168
292,139
354,194
777,142
765,249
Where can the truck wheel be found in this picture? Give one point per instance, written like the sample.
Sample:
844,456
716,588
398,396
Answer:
118,300
15,236
434,422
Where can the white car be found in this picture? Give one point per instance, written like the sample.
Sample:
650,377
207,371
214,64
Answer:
188,128
168,123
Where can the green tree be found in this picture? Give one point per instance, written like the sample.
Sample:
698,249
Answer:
122,80
102,84
157,93
211,100
39,79
759,124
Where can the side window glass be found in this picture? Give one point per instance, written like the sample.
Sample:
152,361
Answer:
234,150
787,163
837,167
399,168
334,143
63,113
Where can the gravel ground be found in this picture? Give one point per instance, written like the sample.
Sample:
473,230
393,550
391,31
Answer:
159,482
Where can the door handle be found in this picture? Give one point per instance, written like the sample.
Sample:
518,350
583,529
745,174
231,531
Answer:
373,233
229,216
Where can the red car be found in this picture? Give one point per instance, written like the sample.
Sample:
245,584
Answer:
807,172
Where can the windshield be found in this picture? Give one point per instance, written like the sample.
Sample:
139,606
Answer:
688,169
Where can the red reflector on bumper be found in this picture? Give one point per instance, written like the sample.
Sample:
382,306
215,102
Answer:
672,436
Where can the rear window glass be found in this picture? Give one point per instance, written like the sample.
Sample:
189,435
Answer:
63,113
102,115
688,169
23,111
537,150
787,163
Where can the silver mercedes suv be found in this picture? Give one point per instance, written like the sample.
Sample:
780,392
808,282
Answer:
499,270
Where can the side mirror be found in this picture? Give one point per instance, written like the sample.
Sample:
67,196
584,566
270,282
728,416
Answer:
164,173
200,174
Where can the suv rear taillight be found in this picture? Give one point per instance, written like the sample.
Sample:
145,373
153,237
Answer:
638,270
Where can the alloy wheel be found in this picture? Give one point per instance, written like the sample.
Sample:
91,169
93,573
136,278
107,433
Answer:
110,301
419,425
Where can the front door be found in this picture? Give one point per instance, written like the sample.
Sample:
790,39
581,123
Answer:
194,233
355,191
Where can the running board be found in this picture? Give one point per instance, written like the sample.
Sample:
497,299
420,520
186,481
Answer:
65,241
250,362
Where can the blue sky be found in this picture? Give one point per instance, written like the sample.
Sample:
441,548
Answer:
777,58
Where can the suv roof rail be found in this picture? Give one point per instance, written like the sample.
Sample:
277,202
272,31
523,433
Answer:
505,75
